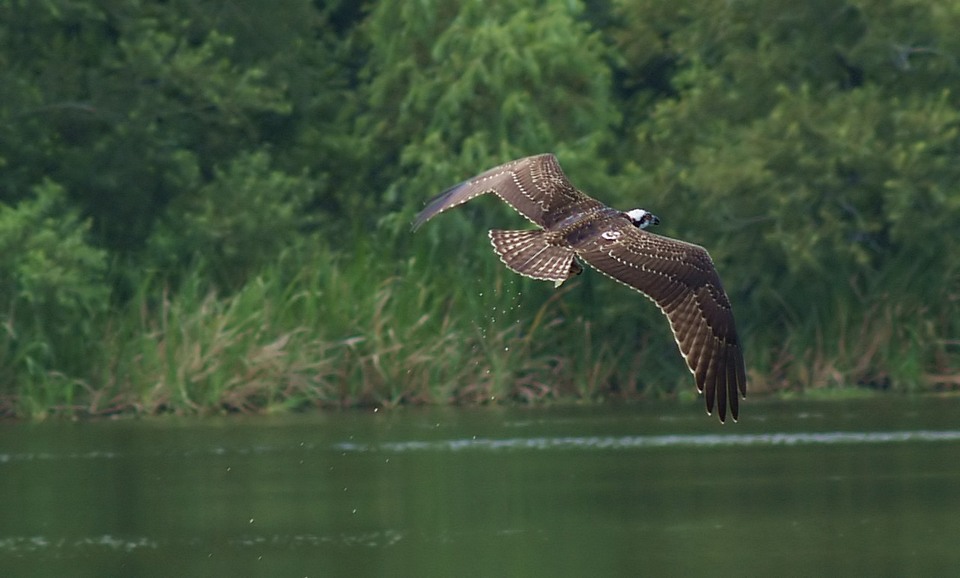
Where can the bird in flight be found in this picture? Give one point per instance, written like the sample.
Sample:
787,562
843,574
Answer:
679,277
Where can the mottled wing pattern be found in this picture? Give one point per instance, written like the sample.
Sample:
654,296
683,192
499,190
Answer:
681,279
535,186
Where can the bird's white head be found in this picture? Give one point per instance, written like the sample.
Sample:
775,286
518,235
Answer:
642,218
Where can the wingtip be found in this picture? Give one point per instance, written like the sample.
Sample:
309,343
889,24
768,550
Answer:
721,418
437,205
416,224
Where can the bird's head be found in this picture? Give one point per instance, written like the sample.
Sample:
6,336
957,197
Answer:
642,218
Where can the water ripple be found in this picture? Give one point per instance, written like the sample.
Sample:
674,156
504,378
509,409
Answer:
21,544
531,443
659,441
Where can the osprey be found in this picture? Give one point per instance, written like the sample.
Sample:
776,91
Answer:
679,277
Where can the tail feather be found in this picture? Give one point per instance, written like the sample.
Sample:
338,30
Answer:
530,254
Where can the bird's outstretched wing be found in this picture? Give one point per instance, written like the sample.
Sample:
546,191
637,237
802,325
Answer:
681,279
535,186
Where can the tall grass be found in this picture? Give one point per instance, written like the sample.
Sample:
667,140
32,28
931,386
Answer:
886,330
322,328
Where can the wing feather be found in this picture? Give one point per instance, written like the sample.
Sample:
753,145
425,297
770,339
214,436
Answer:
682,280
535,187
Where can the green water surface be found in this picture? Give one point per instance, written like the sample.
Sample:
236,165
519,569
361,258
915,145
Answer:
795,489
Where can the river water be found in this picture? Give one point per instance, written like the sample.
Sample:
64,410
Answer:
868,487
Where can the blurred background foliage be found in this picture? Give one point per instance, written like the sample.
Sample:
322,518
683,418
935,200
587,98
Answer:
264,161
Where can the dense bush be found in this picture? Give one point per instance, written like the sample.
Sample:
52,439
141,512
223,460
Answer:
53,293
180,161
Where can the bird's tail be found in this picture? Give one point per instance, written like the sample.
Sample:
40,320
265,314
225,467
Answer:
530,254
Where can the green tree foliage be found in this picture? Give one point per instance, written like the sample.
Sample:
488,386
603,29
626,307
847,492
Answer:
235,224
824,134
53,287
812,147
127,105
465,84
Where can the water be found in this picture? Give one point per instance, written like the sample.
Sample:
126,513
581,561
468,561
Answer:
858,488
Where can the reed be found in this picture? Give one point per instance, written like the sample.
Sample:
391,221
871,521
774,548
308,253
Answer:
320,328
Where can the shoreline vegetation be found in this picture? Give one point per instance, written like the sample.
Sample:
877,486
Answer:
201,216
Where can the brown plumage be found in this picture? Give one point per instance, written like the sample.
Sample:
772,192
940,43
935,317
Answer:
679,277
